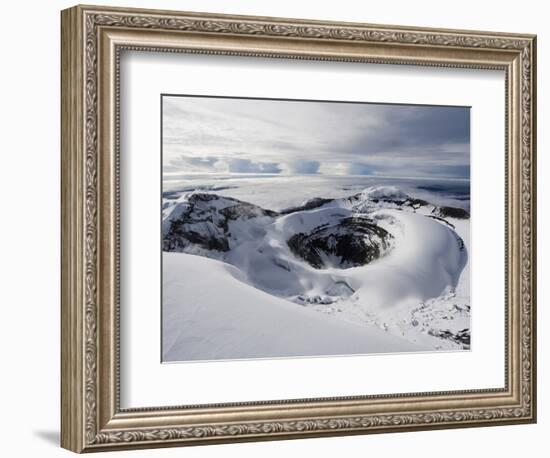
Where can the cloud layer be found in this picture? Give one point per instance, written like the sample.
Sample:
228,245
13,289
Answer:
229,135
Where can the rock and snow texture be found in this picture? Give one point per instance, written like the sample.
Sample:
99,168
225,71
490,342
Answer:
372,272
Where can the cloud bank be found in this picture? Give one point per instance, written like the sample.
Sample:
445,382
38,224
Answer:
230,135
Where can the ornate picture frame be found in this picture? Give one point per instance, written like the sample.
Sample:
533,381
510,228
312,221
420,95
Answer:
92,41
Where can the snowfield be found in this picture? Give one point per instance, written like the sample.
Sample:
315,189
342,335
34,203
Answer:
235,320
374,271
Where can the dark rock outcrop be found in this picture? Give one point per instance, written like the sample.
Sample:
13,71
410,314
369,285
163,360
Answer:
351,242
204,222
311,204
460,337
399,200
451,212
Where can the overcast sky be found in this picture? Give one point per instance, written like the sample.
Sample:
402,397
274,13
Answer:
217,135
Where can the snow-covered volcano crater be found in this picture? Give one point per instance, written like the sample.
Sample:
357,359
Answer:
376,257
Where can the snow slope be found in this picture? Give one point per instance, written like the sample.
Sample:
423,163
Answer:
415,289
235,320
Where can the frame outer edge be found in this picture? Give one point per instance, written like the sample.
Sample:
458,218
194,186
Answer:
81,419
72,250
533,253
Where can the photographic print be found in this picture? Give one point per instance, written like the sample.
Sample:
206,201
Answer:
300,228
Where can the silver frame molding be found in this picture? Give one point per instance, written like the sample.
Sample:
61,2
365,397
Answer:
92,40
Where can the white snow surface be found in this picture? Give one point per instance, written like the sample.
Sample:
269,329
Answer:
235,320
260,300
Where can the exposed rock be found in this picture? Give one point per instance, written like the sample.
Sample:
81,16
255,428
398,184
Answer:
203,233
245,210
388,197
461,337
204,222
451,212
308,205
350,242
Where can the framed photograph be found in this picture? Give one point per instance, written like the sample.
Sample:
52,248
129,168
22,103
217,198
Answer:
278,228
